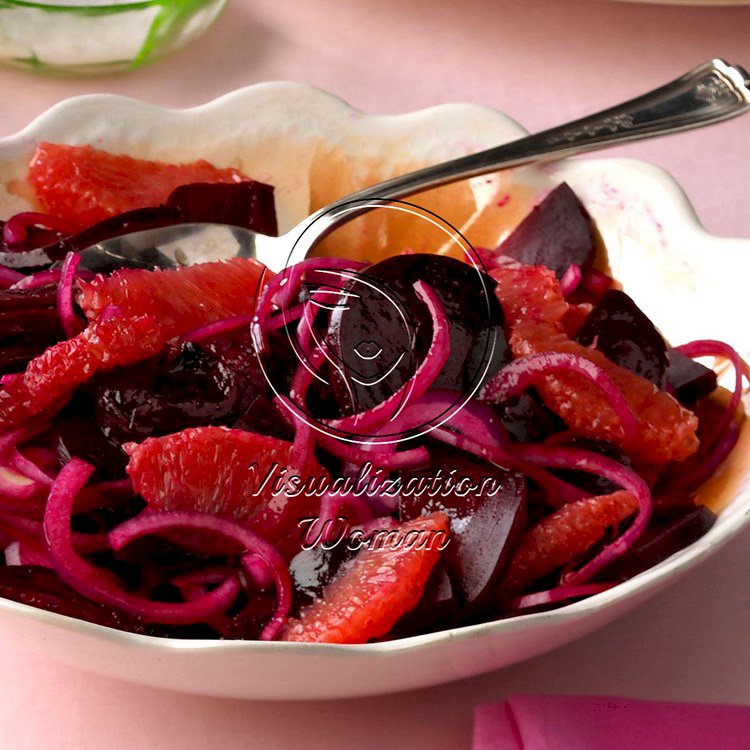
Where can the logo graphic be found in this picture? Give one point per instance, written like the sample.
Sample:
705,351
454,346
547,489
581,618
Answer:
341,343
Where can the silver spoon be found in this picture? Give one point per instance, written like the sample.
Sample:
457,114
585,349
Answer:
710,93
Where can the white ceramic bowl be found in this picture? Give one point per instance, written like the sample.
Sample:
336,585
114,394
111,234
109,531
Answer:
691,283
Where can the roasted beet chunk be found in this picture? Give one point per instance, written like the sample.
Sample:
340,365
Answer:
484,522
527,419
438,608
621,331
29,323
40,587
211,383
558,233
662,540
690,380
243,204
383,331
313,568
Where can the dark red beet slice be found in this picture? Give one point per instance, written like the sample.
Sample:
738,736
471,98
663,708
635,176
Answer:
264,417
621,331
248,623
661,541
527,419
28,299
484,523
40,587
79,435
246,204
29,323
558,233
212,383
14,356
205,384
438,608
690,380
313,569
243,204
380,336
595,485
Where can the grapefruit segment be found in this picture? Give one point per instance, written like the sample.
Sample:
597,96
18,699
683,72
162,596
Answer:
85,185
52,376
180,299
378,587
534,312
223,472
564,537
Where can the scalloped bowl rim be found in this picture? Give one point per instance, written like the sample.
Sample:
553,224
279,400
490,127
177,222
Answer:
738,513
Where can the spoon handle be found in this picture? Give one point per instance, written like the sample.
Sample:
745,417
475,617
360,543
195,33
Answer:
710,93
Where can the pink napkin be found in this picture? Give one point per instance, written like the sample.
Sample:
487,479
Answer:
547,722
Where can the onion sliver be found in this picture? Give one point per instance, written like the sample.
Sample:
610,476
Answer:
100,585
570,280
218,327
593,463
558,594
254,545
430,367
71,325
519,375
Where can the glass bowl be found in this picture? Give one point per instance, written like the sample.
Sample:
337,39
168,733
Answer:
90,37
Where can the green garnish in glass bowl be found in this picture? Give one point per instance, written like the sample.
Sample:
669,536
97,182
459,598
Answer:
98,36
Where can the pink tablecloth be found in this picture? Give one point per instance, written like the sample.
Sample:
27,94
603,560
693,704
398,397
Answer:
541,61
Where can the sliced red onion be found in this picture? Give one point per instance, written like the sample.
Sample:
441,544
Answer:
383,456
28,468
596,282
319,266
16,486
558,492
99,584
593,463
434,361
283,288
87,544
218,327
698,474
473,419
710,348
71,325
558,594
254,545
40,278
208,576
286,317
33,554
16,229
258,571
42,455
521,374
304,375
9,277
332,505
571,279
13,438
30,532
